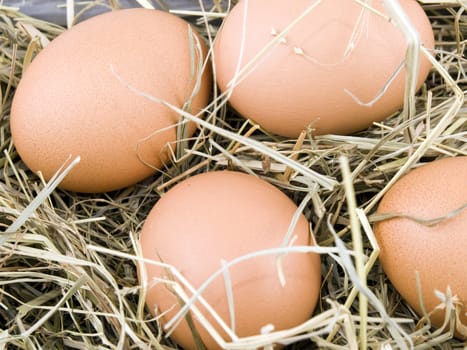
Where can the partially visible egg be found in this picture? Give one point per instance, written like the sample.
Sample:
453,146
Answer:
75,98
338,54
217,217
437,253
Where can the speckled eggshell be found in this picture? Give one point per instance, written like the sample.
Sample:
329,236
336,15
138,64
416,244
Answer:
74,100
220,216
301,81
437,253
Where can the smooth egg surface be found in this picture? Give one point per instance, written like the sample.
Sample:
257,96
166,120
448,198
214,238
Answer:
337,69
212,219
80,97
435,251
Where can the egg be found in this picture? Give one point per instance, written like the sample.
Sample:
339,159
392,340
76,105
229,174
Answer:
211,219
327,72
81,97
435,253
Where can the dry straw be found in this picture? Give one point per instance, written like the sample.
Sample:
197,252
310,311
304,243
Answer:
67,261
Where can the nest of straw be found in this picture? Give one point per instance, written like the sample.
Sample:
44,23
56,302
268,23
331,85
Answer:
68,261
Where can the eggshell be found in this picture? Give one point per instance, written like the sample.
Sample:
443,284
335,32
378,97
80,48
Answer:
302,80
437,253
220,216
74,99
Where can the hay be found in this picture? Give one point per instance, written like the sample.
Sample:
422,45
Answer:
67,260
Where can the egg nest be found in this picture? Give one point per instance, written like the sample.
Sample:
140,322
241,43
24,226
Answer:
68,261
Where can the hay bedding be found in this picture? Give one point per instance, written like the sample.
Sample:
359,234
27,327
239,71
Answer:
67,261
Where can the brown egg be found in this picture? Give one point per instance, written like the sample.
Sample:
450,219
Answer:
310,78
438,253
220,216
74,99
